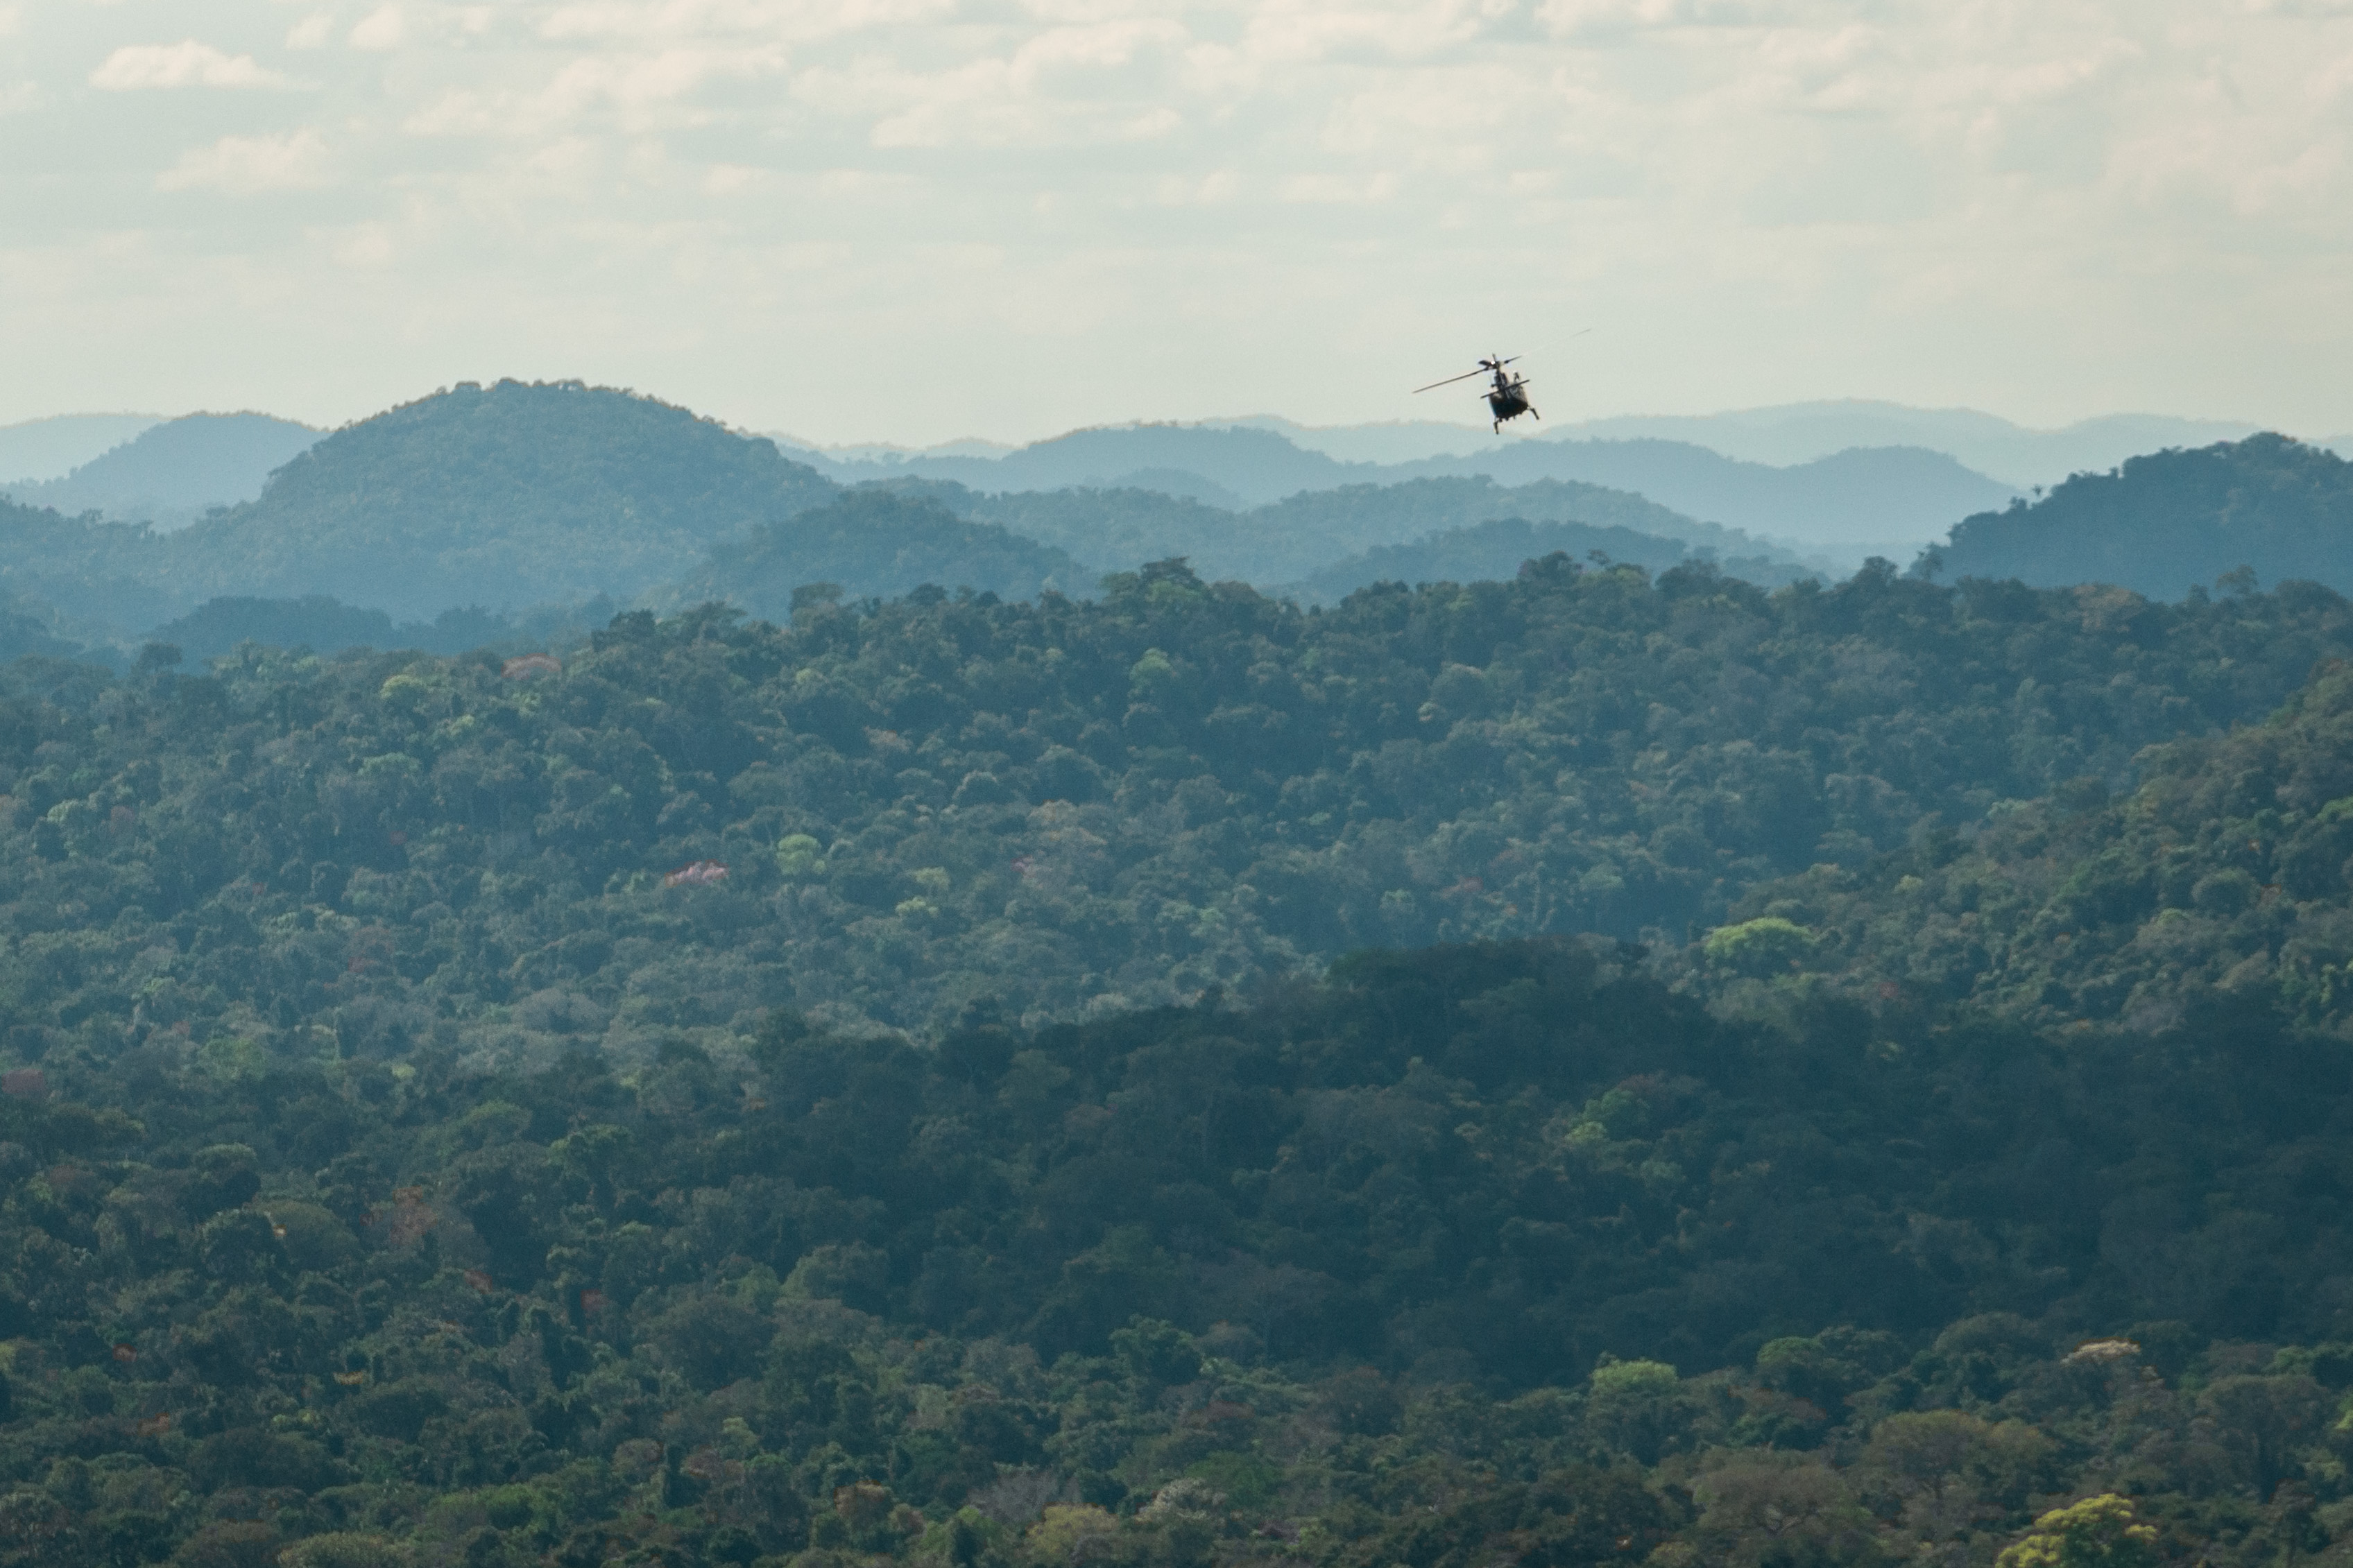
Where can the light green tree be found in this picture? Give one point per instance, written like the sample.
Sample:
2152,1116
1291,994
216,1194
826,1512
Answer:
2097,1532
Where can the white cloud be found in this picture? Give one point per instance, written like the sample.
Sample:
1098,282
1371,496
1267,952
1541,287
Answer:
364,249
249,165
1340,189
386,28
185,64
638,90
1799,197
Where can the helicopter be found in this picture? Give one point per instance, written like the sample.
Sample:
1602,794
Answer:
1508,398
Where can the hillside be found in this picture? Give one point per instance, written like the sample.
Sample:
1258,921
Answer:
38,449
514,494
2174,520
1879,501
171,474
1781,436
450,1114
2219,880
1885,500
1293,540
869,543
2010,453
1489,552
898,1089
1069,804
97,573
1255,466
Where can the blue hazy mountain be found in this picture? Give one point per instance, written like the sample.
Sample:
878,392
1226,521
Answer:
1884,499
879,543
172,473
1786,434
1889,500
40,450
2167,522
509,495
1293,540
2014,454
1248,466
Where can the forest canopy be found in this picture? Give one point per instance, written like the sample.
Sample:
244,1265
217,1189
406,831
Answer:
1586,1069
1065,804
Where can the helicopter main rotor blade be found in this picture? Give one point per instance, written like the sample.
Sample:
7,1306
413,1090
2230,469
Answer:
1452,379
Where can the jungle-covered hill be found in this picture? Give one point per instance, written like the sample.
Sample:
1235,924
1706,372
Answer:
446,1118
2172,521
507,497
2223,874
530,494
883,542
1062,803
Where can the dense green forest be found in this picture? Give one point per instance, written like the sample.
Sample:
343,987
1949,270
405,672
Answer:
1583,1069
2173,521
1063,803
2223,874
1500,1249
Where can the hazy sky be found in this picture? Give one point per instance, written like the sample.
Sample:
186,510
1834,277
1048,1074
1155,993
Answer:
918,219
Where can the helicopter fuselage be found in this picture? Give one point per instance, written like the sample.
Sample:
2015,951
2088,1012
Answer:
1508,399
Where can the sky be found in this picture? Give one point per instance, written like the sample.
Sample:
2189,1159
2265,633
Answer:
916,220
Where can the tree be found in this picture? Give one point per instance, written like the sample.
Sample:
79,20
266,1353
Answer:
2097,1532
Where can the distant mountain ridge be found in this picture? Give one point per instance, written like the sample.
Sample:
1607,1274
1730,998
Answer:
1887,500
480,501
520,504
2173,521
508,495
172,473
1877,499
1500,549
875,543
39,450
1780,434
2011,454
1294,539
